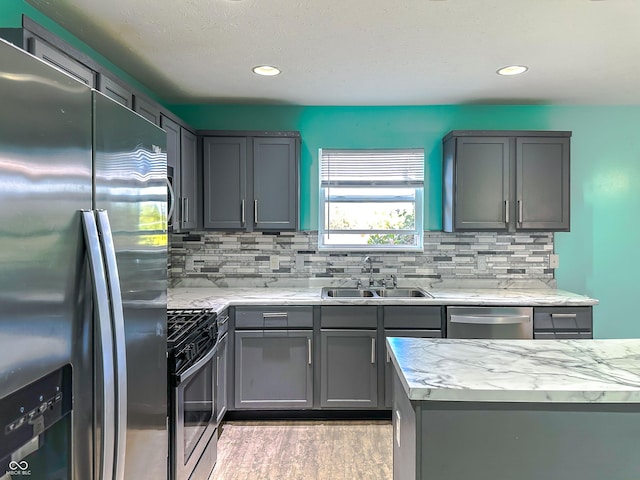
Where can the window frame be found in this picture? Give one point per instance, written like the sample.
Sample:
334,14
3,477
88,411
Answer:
416,198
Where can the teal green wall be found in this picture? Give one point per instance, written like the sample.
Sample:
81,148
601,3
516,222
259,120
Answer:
597,258
11,12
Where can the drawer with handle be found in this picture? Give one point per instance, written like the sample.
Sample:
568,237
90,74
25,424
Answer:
274,317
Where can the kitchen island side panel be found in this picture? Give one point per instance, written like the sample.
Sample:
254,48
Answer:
527,441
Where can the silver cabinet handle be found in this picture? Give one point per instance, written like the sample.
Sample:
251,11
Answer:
105,340
564,315
242,212
217,371
172,202
373,350
186,201
519,211
490,320
388,356
506,211
309,345
255,211
275,315
117,318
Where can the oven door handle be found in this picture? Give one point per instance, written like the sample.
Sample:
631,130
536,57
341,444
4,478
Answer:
196,366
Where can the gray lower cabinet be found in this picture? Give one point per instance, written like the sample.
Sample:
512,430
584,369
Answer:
506,181
273,369
348,368
419,321
562,323
221,379
251,182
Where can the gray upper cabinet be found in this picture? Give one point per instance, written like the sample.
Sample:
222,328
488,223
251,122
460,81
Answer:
182,167
225,179
64,62
275,173
147,109
542,183
506,181
189,175
114,90
251,182
173,168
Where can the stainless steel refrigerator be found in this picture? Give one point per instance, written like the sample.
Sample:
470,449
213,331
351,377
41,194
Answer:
83,281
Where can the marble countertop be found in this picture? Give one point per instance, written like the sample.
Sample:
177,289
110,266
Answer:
221,298
538,371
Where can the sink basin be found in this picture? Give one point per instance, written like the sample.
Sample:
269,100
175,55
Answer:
353,292
347,293
403,293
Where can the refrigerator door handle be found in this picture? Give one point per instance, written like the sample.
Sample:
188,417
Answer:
172,200
105,341
117,315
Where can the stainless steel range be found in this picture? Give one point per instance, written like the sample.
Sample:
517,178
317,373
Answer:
192,342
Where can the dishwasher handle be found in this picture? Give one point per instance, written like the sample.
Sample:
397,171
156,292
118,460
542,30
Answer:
490,319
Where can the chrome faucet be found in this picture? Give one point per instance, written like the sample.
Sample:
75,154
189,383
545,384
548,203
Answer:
369,261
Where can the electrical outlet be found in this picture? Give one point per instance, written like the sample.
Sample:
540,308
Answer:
274,262
554,260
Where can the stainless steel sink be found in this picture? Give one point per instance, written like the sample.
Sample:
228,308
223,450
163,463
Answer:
403,293
353,292
346,293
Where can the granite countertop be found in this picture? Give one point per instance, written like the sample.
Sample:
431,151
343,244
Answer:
538,371
221,298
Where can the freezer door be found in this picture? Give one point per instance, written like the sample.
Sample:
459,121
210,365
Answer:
130,184
45,179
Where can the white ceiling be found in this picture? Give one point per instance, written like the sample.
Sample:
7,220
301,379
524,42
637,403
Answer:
367,52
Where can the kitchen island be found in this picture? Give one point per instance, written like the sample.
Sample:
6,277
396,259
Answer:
516,409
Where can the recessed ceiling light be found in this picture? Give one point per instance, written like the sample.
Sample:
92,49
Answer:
512,70
266,70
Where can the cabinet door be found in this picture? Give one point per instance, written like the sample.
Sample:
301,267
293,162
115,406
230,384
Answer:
147,109
189,207
388,366
225,178
115,91
67,64
348,369
173,167
273,369
481,183
275,183
221,380
542,183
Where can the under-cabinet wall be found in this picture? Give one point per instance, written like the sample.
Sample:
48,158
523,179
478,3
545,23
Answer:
239,259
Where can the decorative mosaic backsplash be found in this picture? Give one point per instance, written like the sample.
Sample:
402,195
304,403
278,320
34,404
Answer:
253,259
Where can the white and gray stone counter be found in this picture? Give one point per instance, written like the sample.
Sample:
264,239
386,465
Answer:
536,371
221,298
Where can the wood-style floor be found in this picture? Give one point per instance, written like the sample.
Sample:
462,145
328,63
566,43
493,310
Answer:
305,450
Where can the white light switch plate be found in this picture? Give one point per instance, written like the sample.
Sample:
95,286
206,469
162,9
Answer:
274,262
554,260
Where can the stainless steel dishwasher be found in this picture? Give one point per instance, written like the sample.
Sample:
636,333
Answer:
490,322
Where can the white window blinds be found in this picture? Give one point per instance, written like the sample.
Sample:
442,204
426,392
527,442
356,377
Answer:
397,167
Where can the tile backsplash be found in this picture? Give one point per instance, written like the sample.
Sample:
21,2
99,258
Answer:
236,259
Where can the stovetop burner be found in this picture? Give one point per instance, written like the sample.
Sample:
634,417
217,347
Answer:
191,333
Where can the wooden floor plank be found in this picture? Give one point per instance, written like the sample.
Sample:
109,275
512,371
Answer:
305,450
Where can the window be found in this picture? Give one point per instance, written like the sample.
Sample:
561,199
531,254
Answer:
371,199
